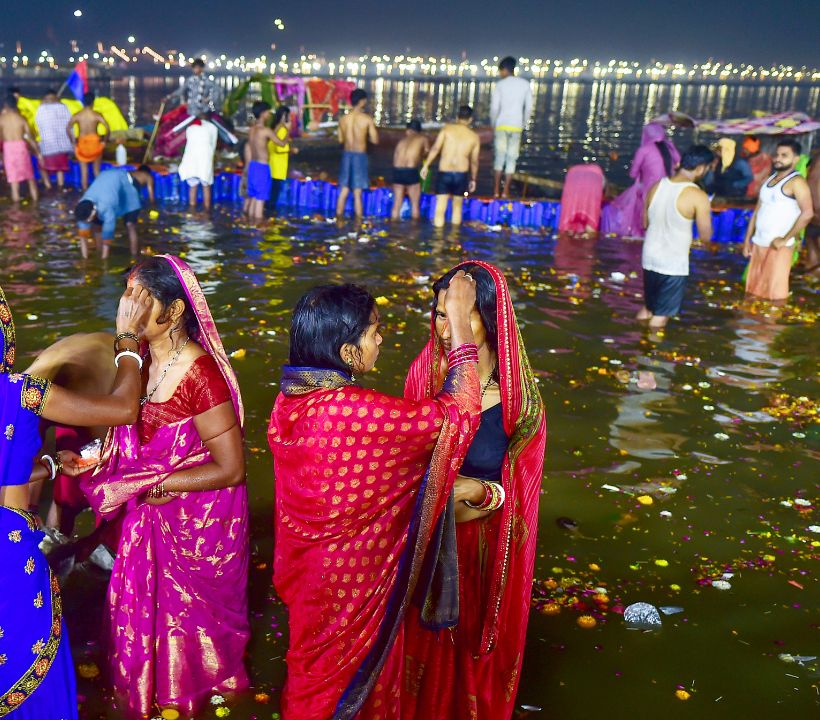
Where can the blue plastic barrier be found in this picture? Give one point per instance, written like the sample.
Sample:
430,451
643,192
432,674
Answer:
729,225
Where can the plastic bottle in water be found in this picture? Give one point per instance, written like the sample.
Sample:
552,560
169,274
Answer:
121,155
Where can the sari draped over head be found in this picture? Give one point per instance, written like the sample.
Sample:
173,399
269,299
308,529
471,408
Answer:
178,592
36,672
362,479
475,672
624,215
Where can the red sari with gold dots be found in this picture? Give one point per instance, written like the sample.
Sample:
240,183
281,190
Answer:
361,482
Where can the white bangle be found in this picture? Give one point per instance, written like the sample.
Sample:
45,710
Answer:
127,353
52,465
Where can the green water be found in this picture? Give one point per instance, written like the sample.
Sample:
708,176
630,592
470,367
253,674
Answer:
713,461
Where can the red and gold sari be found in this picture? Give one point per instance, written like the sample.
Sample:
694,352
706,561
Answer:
472,671
362,479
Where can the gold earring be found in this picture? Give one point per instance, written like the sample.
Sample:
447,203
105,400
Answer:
350,365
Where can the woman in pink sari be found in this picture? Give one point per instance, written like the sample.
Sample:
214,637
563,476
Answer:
471,672
656,158
362,479
178,593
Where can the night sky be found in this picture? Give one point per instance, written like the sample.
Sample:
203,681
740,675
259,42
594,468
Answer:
755,31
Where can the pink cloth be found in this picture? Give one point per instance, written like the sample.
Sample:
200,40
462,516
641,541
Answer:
17,161
178,593
624,215
581,199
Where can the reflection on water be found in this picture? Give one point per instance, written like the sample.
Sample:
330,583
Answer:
694,444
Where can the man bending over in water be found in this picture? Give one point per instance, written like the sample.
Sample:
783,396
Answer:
89,145
406,160
355,129
458,145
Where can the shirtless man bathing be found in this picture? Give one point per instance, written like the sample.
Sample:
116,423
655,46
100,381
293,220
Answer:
458,144
355,130
17,148
406,161
257,159
89,145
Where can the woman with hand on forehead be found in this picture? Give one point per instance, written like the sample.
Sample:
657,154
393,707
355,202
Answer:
362,479
471,670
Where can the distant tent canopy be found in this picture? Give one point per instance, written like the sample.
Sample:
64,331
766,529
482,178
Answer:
787,123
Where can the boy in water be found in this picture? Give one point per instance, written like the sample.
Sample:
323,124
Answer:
458,144
355,130
256,157
17,148
89,145
406,161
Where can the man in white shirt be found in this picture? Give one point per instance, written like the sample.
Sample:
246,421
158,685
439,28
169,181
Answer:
510,110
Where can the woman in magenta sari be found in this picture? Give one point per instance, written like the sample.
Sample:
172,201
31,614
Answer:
178,593
656,158
362,479
471,671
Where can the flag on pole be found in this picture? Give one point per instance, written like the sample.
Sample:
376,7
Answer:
78,80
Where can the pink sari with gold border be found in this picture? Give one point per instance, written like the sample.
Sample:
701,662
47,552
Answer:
471,672
177,599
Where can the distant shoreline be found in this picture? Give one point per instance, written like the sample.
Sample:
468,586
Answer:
25,77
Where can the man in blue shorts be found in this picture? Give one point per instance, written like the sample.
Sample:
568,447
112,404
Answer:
115,193
458,144
355,130
671,206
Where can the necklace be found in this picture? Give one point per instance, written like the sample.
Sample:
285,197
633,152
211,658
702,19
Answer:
488,382
147,398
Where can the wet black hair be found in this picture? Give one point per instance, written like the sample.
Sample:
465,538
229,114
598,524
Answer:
15,90
259,107
695,156
50,91
83,210
666,156
465,112
356,96
10,101
790,143
157,276
325,318
144,168
486,299
199,62
414,125
508,63
281,111
89,98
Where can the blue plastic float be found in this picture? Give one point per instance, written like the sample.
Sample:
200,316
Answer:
319,196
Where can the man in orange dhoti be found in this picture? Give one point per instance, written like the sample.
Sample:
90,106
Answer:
90,144
783,209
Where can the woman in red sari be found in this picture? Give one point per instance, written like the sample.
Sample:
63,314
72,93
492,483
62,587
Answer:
362,479
177,599
472,671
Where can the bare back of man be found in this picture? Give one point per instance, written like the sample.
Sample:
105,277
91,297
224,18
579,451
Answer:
80,363
355,129
258,138
407,157
14,129
457,145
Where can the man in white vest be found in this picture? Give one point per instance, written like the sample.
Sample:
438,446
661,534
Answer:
510,109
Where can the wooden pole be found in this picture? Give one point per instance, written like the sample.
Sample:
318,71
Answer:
148,149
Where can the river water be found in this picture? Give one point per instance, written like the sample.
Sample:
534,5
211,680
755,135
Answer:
733,486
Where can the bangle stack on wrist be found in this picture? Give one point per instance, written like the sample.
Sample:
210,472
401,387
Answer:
468,352
493,499
127,335
158,491
53,464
